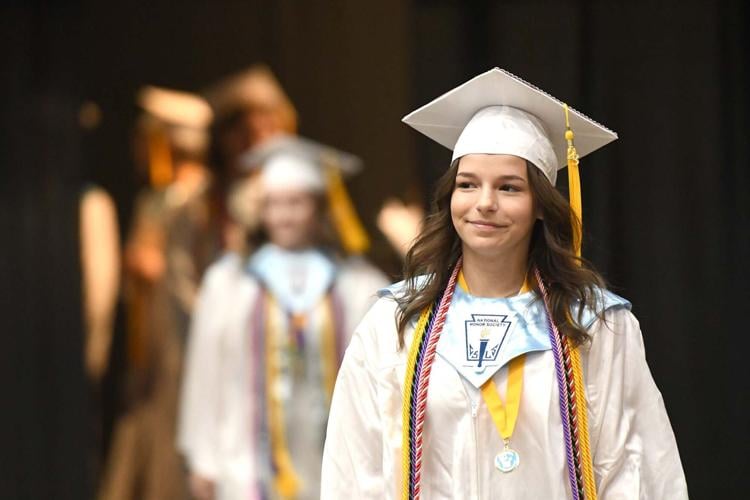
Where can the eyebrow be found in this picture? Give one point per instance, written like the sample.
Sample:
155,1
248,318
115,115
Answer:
471,175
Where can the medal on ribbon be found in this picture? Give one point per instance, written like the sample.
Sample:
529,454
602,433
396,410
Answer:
508,459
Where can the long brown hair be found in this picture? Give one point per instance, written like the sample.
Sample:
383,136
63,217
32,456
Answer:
568,278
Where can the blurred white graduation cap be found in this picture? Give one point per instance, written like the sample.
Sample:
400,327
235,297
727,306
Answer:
497,112
292,162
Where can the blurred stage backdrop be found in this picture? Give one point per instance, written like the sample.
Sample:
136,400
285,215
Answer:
665,207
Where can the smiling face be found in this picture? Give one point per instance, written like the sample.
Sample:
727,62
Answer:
492,206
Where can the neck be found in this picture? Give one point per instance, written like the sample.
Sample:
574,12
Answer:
299,246
496,276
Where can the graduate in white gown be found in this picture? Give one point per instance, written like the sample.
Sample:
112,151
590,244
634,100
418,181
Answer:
501,368
267,339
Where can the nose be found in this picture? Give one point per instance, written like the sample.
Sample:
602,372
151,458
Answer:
487,201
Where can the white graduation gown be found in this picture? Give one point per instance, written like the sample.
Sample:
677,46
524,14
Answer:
634,451
216,431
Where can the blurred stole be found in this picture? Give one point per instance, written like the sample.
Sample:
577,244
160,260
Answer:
266,333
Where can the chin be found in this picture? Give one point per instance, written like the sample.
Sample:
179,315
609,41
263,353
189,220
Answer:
485,248
496,245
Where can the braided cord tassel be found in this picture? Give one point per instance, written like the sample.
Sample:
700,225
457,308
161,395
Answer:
573,408
562,389
415,391
587,466
406,456
424,382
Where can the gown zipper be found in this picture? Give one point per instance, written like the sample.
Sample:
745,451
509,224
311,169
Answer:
474,406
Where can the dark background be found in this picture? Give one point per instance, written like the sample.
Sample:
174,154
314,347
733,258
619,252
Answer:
665,207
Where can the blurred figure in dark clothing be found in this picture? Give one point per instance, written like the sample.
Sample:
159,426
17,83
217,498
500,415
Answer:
250,108
172,239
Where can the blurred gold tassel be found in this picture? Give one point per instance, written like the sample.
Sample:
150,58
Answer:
160,168
352,234
285,483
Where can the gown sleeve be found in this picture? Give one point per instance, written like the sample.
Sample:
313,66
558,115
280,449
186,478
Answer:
200,403
634,449
353,454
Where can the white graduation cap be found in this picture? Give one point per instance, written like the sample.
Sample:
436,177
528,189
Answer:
292,162
498,113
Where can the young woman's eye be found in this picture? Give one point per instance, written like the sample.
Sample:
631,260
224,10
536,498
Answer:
510,188
464,185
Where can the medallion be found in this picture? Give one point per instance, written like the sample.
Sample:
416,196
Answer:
507,460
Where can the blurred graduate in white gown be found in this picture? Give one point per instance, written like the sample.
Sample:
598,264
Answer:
270,330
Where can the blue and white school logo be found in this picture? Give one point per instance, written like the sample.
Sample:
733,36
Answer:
485,334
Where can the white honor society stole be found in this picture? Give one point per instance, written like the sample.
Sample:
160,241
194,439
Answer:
482,334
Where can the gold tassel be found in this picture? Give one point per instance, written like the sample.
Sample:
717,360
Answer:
574,187
351,232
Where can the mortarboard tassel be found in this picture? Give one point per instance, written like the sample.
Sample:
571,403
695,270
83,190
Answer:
574,186
576,371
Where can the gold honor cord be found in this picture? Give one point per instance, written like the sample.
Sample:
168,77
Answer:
504,415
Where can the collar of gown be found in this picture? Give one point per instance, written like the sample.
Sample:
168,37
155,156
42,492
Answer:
481,335
297,279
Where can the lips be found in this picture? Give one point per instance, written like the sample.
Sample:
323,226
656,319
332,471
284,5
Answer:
482,224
